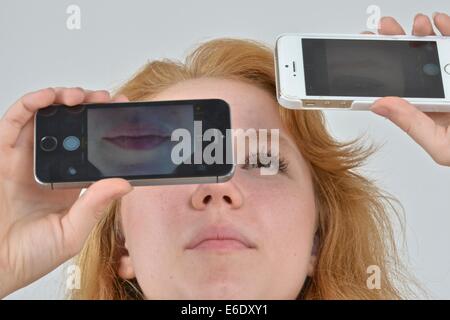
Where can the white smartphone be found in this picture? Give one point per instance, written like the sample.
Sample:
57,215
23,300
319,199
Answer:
318,71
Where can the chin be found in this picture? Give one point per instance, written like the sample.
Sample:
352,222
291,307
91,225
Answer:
222,293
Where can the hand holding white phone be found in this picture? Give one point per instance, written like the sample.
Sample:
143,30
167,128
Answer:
431,130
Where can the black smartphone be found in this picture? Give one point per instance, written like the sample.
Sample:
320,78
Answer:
147,143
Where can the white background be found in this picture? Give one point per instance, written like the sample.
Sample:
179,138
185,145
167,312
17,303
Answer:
117,37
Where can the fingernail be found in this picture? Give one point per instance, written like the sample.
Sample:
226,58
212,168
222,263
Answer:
380,21
435,14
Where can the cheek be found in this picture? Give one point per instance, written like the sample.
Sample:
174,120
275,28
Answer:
151,220
286,214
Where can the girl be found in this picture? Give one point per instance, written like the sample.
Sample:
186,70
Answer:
311,231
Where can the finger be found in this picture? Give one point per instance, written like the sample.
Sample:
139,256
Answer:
25,140
69,96
390,26
21,112
97,96
440,118
78,223
121,98
433,138
422,26
442,23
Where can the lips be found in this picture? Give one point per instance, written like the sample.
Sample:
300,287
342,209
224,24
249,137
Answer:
220,238
145,142
137,136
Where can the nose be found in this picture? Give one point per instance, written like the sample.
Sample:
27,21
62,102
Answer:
219,194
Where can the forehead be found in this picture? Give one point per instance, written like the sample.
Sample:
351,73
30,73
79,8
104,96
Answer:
251,107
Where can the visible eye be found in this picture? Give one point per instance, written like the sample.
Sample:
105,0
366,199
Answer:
252,161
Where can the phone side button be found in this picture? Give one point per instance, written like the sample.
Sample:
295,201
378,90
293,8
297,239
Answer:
447,68
309,103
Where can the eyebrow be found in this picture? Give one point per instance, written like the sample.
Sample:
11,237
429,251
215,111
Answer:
283,140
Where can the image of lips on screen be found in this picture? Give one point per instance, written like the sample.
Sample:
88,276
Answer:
131,141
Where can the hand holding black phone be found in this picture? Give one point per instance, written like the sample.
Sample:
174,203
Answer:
42,228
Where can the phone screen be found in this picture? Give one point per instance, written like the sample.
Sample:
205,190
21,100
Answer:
141,140
372,68
135,141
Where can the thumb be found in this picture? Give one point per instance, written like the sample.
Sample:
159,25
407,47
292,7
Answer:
431,137
78,223
407,117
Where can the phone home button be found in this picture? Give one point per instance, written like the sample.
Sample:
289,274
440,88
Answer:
447,68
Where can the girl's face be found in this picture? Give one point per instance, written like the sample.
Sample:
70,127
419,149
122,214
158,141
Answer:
276,215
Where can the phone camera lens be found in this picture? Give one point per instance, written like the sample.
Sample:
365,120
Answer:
431,69
71,171
71,143
75,109
48,111
49,143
